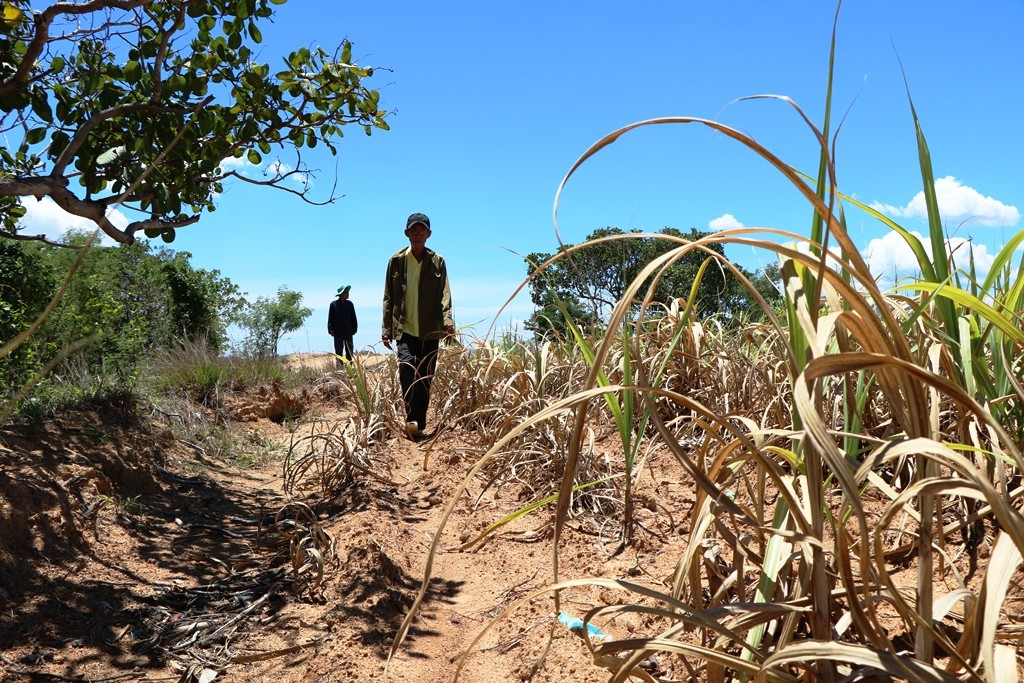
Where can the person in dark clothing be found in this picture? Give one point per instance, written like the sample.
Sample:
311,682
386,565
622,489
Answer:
417,315
342,324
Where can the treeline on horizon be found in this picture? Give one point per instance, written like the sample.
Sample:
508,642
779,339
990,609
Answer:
123,304
120,307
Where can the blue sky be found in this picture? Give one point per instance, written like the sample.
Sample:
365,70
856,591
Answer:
493,102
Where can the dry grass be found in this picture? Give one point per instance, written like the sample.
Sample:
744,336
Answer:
853,435
909,401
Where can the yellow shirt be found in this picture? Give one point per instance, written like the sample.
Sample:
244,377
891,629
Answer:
412,295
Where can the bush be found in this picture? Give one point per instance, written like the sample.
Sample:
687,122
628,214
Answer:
132,299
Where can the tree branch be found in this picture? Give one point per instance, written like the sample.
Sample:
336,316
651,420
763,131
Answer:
120,110
19,80
31,186
163,155
93,210
161,56
56,189
275,183
157,224
37,238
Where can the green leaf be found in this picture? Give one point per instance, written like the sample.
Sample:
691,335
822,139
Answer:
132,71
253,80
35,135
177,83
110,155
13,101
1007,324
153,233
167,235
41,105
58,141
254,157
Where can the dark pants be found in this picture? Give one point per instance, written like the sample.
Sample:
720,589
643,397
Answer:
417,360
342,347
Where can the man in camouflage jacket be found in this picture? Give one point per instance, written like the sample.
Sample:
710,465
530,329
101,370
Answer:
417,315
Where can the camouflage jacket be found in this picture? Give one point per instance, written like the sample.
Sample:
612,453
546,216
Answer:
435,296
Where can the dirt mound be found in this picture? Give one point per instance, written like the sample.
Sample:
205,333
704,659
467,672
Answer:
273,403
60,474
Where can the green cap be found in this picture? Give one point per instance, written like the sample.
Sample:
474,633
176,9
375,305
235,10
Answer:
344,288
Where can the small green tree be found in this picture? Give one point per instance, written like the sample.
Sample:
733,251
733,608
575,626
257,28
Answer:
27,283
554,308
268,320
768,283
202,303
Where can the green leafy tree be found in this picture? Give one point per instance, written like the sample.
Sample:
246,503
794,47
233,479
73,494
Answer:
117,296
268,320
26,285
131,299
202,303
768,283
589,282
553,308
139,102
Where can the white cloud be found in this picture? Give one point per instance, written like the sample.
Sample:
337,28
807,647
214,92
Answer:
44,217
957,203
890,257
241,166
278,168
237,163
724,222
960,250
